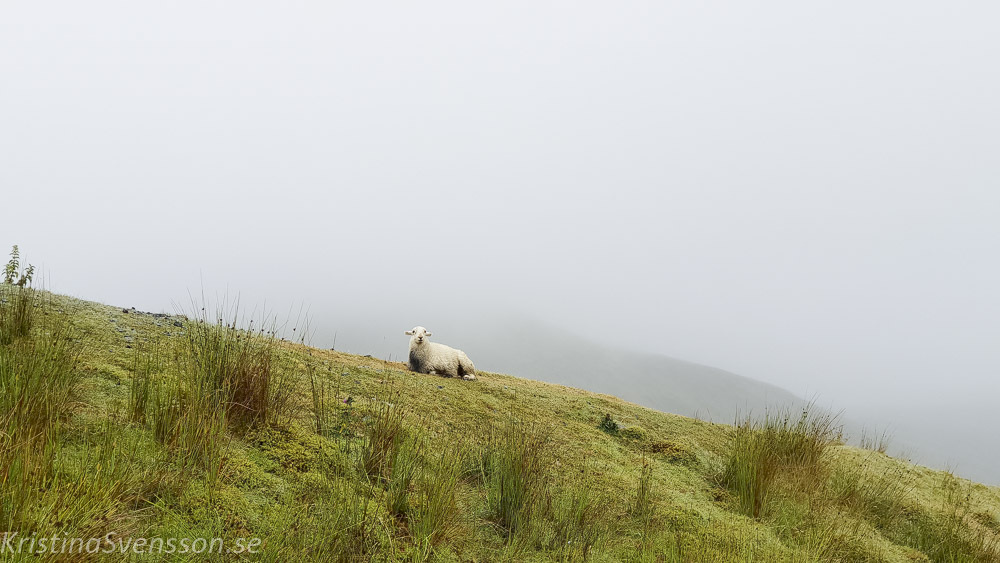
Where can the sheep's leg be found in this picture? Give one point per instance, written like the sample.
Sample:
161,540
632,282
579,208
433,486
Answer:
465,373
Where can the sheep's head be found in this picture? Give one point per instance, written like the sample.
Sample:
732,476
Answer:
418,334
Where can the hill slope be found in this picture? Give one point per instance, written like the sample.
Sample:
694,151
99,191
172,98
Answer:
538,351
358,459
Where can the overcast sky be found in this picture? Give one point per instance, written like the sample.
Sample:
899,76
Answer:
805,194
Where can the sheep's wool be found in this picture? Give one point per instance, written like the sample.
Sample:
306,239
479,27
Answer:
431,357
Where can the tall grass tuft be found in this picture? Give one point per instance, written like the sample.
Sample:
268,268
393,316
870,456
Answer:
18,300
760,449
875,441
321,414
881,495
750,468
872,492
226,376
642,505
392,453
105,480
17,312
37,376
406,460
191,425
166,411
652,538
146,362
512,466
949,535
343,525
436,514
575,520
383,439
235,367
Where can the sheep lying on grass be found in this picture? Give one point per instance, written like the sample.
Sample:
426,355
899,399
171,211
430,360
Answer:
431,357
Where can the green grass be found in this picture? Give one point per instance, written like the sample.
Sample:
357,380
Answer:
436,514
123,421
762,449
513,470
384,439
567,521
234,368
37,375
642,506
17,311
146,364
952,534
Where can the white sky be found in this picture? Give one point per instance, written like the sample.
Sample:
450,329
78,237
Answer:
802,193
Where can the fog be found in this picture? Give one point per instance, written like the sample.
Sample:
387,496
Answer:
805,195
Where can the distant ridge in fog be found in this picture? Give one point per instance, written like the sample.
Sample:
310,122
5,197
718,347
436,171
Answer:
534,350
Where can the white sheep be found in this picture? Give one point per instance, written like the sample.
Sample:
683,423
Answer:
431,357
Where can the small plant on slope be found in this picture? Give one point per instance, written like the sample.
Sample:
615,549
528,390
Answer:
18,300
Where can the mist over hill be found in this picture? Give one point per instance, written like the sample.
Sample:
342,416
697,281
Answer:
955,437
938,435
960,438
532,349
535,350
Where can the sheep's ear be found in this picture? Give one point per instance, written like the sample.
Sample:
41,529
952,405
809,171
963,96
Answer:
428,334
409,332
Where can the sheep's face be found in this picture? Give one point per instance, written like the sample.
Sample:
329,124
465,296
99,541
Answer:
419,334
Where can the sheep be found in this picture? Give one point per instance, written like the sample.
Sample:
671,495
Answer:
434,358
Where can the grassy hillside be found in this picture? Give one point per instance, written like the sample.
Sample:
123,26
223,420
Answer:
154,426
